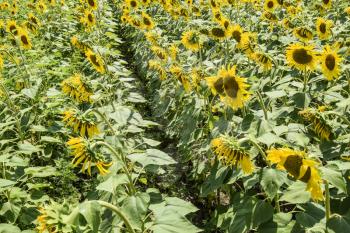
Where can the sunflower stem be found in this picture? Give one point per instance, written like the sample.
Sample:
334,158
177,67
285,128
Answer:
119,213
256,145
261,102
104,119
327,202
277,204
132,188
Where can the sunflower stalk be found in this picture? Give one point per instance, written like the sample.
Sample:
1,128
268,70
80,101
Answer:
327,202
262,104
116,210
256,145
132,188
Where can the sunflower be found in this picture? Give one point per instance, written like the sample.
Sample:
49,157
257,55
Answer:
92,4
159,52
191,40
173,51
133,4
218,33
330,63
263,59
270,5
88,19
179,73
327,4
230,87
301,57
86,156
82,46
287,24
303,34
347,10
83,125
33,19
1,62
11,27
157,66
95,60
318,124
152,37
41,6
231,154
75,87
147,22
236,33
24,39
271,17
323,28
296,164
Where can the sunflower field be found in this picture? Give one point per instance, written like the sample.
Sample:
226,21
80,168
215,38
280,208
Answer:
175,116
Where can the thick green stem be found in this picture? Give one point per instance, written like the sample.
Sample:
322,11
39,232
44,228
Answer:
327,202
119,213
277,203
256,145
261,101
132,188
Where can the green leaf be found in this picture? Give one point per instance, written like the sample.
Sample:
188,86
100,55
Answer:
5,183
170,221
10,211
269,139
262,212
296,193
152,156
91,212
41,171
27,148
113,182
50,139
215,180
9,228
135,208
272,180
339,224
298,138
334,177
180,206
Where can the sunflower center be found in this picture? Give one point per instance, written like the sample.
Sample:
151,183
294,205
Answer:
219,86
301,56
93,59
12,29
24,40
231,86
330,62
304,33
218,32
325,1
146,21
213,3
270,4
34,20
226,24
323,27
91,3
133,3
218,16
90,18
306,177
293,164
237,36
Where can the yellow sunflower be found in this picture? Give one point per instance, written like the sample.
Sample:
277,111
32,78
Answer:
327,4
323,28
93,4
271,17
301,57
303,34
83,125
147,22
96,60
270,5
152,37
236,33
88,19
287,24
75,87
41,6
296,164
263,59
157,66
159,52
191,40
231,88
11,27
231,154
82,46
24,39
83,154
318,124
133,4
173,51
179,73
330,63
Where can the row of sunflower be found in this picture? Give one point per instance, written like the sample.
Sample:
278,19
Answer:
279,131
75,156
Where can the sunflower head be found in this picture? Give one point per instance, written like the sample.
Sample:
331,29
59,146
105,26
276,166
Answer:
263,59
92,4
303,34
302,57
96,61
24,39
88,19
11,27
299,167
147,22
330,62
76,88
323,28
83,124
191,40
218,33
270,5
230,153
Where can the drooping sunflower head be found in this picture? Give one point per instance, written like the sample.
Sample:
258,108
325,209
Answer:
269,16
323,28
303,34
77,89
147,22
302,57
41,6
330,63
159,52
263,59
270,5
157,66
96,61
83,124
84,154
33,19
317,123
191,40
287,24
299,167
230,153
152,37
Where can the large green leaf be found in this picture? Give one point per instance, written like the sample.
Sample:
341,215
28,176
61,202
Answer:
262,212
91,212
112,182
296,193
6,183
9,228
271,180
334,177
152,157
